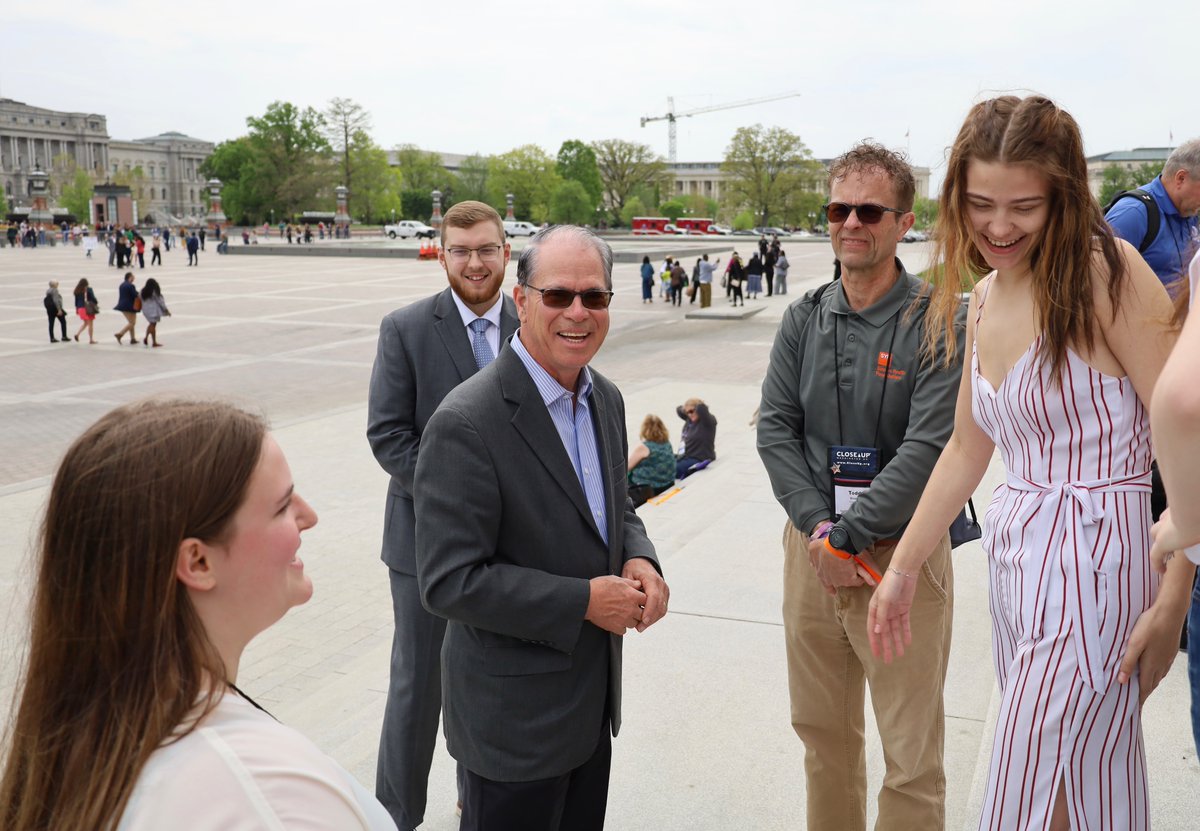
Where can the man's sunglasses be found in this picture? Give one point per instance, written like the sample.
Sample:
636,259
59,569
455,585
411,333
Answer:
594,299
868,214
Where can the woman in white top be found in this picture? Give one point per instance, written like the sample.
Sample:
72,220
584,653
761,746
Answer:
169,542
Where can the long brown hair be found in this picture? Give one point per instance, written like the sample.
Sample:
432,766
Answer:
1033,131
118,657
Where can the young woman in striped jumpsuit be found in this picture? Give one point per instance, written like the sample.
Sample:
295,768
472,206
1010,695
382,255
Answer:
1068,333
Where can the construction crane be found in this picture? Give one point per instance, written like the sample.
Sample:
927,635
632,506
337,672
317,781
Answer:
672,116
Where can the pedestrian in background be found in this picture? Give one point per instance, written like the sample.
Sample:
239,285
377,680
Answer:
54,311
87,307
154,308
781,272
754,273
647,280
128,304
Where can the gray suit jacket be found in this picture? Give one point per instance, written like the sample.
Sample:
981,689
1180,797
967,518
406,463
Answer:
505,548
424,352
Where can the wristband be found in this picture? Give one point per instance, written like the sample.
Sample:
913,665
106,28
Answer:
822,530
903,574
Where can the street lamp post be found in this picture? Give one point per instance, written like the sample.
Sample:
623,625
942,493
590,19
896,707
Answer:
812,220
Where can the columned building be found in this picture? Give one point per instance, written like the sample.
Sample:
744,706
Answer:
171,187
34,137
707,179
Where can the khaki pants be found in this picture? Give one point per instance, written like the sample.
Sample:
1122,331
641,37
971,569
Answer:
829,658
705,295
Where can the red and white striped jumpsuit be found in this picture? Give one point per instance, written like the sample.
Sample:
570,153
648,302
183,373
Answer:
1067,536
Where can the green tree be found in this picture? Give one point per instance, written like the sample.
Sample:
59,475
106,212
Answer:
744,221
633,207
423,170
416,204
290,168
698,205
76,195
926,211
233,163
72,185
577,161
1117,178
672,209
528,173
473,178
624,166
767,169
571,204
375,184
344,122
804,209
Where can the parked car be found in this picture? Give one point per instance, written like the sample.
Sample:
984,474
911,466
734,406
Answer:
766,232
719,229
750,233
915,236
519,229
409,228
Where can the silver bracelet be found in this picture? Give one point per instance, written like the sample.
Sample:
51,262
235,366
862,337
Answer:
902,574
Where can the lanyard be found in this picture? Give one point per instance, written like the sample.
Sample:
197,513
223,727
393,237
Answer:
837,378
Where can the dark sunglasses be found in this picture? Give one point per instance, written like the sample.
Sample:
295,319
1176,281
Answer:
868,214
594,299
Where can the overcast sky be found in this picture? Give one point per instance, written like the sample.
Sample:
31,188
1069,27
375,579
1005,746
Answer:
467,76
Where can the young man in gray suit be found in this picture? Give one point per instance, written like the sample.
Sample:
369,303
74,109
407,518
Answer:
425,350
529,546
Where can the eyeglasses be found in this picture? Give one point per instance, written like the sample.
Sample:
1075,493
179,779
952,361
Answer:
595,299
868,214
487,253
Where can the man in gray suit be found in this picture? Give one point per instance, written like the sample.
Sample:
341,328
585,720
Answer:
425,350
529,546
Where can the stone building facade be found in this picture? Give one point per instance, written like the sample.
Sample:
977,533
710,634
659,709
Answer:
171,187
33,137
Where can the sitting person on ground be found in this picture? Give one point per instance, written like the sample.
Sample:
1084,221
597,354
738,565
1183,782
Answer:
652,463
699,436
169,542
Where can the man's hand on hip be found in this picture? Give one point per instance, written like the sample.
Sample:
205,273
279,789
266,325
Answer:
615,603
654,608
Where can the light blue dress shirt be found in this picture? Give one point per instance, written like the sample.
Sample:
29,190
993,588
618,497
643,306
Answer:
572,417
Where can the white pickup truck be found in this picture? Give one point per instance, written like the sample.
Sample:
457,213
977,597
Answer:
519,229
409,228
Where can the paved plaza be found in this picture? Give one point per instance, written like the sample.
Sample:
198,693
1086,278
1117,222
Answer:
706,743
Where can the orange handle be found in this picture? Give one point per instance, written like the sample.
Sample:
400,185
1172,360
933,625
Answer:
846,555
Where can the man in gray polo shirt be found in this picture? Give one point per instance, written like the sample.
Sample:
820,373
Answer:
853,419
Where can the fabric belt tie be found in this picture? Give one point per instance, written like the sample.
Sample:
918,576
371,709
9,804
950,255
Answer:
1064,511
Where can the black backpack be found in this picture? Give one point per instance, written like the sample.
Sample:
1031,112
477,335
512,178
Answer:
51,306
1153,216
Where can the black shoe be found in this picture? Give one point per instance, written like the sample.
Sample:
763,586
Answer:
54,340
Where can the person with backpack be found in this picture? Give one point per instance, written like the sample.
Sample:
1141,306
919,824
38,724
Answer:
54,311
1160,217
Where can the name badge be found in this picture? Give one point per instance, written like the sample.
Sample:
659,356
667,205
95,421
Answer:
852,470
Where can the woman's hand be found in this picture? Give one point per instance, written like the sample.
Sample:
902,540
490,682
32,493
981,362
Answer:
888,627
1167,540
1153,645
